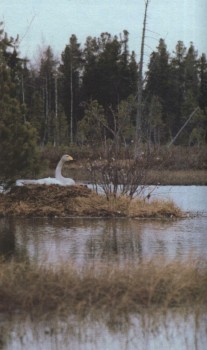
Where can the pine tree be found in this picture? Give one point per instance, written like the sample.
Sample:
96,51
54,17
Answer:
110,72
155,124
18,138
158,81
203,83
70,93
91,127
177,88
191,72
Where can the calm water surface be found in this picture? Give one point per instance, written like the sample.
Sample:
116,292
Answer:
90,240
84,240
155,331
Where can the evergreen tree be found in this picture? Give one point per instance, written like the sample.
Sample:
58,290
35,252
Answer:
177,88
110,72
47,81
91,127
155,124
203,83
191,72
70,92
158,81
18,139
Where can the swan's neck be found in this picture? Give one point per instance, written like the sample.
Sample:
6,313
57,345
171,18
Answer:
58,170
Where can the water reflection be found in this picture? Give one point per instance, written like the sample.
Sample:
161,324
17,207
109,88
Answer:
93,240
116,240
7,239
9,247
152,330
103,240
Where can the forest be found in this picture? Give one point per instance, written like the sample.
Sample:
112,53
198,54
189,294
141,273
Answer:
88,96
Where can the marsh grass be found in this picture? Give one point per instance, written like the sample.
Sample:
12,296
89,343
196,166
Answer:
125,207
177,177
120,290
40,200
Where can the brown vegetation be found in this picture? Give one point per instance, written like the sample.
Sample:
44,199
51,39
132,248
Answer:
54,200
178,177
66,289
177,165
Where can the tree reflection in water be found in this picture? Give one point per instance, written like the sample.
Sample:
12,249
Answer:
112,243
9,248
7,239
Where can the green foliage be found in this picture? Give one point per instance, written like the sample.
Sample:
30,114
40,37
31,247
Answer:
18,141
18,138
124,119
95,125
175,81
90,128
203,82
110,72
91,94
154,123
70,69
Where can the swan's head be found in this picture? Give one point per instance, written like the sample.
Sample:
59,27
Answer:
66,158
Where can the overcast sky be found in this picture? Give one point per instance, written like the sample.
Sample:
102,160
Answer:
51,22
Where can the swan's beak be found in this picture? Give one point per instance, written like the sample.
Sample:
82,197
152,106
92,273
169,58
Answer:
70,158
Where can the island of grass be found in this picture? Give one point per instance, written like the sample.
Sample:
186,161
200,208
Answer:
59,201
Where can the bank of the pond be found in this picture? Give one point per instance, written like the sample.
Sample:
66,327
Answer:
178,177
66,289
162,176
54,200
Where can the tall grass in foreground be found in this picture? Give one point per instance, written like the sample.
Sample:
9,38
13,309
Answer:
66,289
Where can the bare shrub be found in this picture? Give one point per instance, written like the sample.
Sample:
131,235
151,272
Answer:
118,172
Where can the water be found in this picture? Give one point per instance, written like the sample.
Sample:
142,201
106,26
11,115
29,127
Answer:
84,240
157,331
103,240
188,198
90,240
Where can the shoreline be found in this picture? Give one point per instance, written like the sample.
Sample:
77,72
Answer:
154,177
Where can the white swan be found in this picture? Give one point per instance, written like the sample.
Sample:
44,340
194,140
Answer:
58,180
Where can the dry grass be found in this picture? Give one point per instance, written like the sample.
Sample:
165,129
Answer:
160,174
123,206
65,289
40,200
163,176
178,177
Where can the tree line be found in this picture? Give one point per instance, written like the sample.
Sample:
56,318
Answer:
90,94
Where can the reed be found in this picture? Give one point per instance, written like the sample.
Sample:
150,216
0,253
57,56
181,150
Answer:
66,289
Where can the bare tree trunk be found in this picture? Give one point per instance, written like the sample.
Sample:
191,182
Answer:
184,125
71,102
46,112
140,80
56,138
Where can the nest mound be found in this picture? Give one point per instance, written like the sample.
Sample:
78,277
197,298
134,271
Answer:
65,201
42,200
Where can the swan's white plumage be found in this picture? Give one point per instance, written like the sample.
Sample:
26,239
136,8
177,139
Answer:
45,181
58,180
